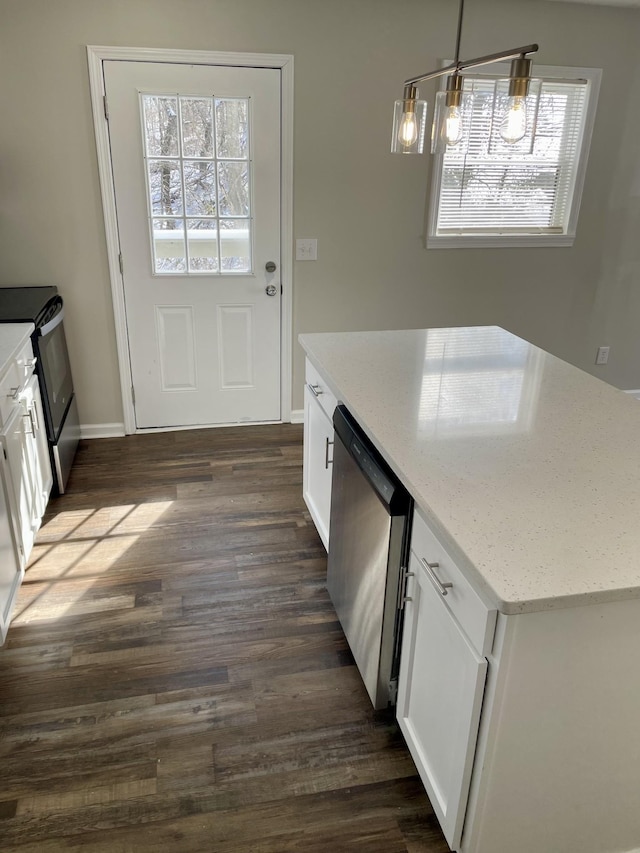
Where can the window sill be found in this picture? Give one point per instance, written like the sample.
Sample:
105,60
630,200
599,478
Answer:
519,241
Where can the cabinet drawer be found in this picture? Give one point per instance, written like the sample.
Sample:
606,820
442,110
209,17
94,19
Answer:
14,379
318,387
10,385
475,618
25,363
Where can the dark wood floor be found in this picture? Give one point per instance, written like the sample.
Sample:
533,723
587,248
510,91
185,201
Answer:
175,678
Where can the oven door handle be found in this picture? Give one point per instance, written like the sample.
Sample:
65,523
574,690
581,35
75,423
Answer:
51,325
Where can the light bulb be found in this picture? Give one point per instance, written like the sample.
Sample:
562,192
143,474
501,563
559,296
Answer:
514,124
407,136
408,130
453,125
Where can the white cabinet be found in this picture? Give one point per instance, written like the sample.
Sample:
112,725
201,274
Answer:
18,454
319,404
442,675
554,759
25,474
11,566
38,450
25,445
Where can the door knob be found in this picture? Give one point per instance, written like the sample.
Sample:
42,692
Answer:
270,266
271,290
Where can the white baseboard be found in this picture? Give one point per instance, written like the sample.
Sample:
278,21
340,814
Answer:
101,430
117,430
635,394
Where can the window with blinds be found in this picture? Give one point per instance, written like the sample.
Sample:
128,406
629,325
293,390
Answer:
488,193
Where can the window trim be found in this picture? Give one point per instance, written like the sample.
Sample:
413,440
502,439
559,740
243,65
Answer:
478,241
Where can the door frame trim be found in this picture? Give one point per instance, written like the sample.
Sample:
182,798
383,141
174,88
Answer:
96,55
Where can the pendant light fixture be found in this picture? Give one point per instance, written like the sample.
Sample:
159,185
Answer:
409,119
513,125
454,105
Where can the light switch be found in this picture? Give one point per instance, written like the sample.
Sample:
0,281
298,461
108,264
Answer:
306,249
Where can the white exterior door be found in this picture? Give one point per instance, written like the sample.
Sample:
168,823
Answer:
195,153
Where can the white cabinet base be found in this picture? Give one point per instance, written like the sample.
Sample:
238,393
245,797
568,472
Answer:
558,764
440,692
25,470
11,570
319,404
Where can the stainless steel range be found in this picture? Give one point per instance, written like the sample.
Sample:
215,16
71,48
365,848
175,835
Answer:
43,307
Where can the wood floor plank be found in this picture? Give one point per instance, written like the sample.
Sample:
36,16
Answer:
175,677
81,797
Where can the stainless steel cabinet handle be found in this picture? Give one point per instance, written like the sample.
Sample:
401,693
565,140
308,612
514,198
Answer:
29,362
14,393
34,417
316,390
32,431
441,587
327,461
404,581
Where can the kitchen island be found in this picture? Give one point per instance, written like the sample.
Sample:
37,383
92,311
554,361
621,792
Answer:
526,471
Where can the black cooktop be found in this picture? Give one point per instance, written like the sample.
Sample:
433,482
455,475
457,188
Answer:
27,304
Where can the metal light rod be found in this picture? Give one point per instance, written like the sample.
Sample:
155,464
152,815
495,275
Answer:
514,53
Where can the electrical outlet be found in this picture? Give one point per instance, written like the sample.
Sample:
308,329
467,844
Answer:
603,355
306,249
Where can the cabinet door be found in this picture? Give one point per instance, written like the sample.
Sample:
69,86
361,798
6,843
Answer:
10,563
318,449
440,688
21,455
39,449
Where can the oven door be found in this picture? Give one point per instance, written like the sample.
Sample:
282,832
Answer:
54,372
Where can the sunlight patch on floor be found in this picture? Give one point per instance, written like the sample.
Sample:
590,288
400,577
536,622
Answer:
73,551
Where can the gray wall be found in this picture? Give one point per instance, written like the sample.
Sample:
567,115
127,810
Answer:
366,207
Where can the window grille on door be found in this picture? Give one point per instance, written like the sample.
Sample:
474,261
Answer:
197,164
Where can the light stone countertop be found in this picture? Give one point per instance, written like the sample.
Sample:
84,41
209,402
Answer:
12,337
527,468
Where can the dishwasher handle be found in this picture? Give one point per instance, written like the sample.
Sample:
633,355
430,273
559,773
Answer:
384,482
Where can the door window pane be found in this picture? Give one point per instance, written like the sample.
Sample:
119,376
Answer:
165,187
202,244
199,187
233,189
232,129
197,127
199,178
168,245
160,116
235,245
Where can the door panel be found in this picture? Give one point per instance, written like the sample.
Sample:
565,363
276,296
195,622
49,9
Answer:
196,164
175,330
235,345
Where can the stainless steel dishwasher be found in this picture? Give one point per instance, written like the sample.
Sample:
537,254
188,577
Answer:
368,549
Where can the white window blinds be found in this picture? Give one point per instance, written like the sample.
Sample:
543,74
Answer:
487,188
